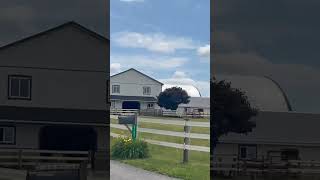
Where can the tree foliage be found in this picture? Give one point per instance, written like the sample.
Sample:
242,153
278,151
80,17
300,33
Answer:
231,111
170,98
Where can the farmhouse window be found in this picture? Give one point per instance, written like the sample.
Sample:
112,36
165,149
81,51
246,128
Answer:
7,135
19,87
150,105
146,90
247,152
113,104
115,88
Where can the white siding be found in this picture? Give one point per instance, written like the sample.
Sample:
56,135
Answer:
132,83
67,49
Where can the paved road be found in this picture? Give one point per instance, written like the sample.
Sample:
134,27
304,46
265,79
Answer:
120,171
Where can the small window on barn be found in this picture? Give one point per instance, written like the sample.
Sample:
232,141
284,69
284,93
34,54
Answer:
19,87
113,104
146,90
247,152
115,88
150,105
289,154
7,135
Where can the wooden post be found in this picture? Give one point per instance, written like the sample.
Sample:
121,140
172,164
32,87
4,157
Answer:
83,170
186,142
20,158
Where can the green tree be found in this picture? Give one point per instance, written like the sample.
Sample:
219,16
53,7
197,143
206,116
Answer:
170,98
231,111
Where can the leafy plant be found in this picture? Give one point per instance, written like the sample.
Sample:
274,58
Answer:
126,148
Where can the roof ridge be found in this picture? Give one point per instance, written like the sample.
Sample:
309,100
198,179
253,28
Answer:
72,23
138,72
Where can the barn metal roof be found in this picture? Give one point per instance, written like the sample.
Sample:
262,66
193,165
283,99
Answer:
263,92
198,102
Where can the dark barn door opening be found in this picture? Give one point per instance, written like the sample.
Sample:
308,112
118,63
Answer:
68,138
131,105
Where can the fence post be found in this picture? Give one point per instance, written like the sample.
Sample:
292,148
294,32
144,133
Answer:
83,170
186,141
20,158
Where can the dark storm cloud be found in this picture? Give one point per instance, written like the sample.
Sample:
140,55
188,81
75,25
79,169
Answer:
274,28
19,18
278,38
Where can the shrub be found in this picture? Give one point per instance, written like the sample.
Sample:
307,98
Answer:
126,148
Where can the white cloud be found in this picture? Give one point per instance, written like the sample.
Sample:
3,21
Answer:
148,62
155,42
181,78
132,0
204,51
179,75
115,68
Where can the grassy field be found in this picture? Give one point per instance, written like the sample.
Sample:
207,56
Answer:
176,118
283,177
169,127
168,161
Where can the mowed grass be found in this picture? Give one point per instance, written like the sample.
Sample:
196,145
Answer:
205,119
169,127
179,140
168,161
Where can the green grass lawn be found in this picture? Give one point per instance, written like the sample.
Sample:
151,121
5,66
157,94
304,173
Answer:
165,160
169,127
205,119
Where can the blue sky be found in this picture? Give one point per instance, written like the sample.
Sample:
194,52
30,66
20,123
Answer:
166,39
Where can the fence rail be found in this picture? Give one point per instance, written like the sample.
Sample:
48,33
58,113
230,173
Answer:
181,122
164,132
233,165
124,111
184,135
27,157
158,112
173,145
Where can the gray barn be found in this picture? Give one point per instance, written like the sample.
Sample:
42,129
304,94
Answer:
53,91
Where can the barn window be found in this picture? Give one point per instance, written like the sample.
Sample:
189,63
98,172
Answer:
113,104
150,105
247,152
7,135
115,88
289,154
146,90
19,87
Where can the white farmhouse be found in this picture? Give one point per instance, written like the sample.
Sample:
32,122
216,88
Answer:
132,89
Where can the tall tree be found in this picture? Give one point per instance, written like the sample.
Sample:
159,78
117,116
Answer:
170,98
231,111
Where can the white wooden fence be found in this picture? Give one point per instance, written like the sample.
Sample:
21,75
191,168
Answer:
232,165
171,133
163,112
123,111
20,158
